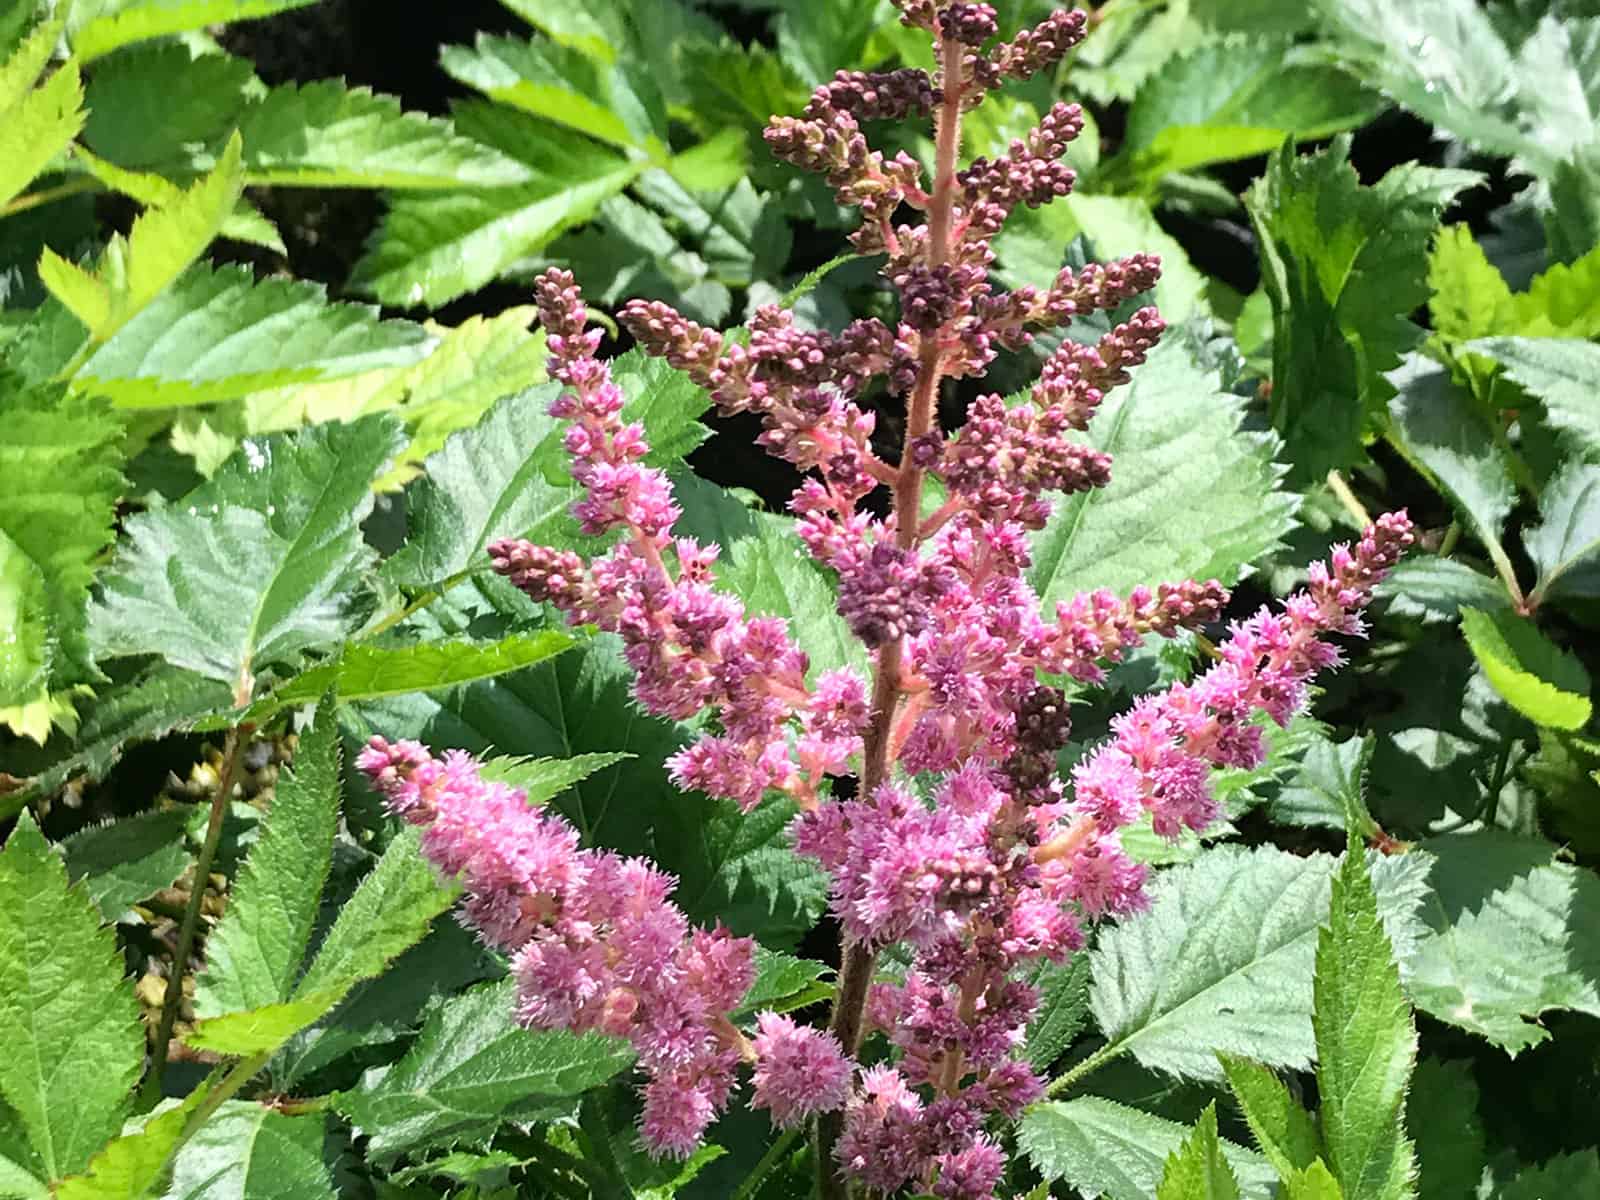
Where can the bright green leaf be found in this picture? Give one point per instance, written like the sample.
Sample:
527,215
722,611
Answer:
1564,374
1197,1170
1105,1149
1470,298
254,953
472,1067
543,779
98,27
248,1151
1191,495
1536,677
254,568
1366,1042
1284,1130
34,131
132,1165
1316,1182
75,1042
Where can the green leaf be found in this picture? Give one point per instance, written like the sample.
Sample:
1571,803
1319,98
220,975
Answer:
1030,248
774,576
59,485
1366,1042
1329,791
472,1067
616,104
244,224
132,1165
1541,681
1238,97
1316,1182
1442,1117
1574,1174
1222,959
1284,1131
1562,374
75,1041
151,103
1433,589
123,862
17,1183
41,125
98,27
434,246
1514,933
164,240
1105,1149
488,482
275,332
247,1151
666,402
783,983
1343,265
261,1030
367,672
1447,437
1197,1169
1568,533
1470,298
1063,1010
255,951
1191,495
543,779
323,134
254,568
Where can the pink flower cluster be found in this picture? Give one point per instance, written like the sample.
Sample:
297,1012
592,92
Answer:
596,944
959,841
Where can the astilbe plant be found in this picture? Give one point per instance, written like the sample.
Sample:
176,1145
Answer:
1005,864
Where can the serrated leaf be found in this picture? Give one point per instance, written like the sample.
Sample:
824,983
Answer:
1470,298
1316,1182
1191,495
324,134
1535,676
543,779
367,672
1197,1170
1442,1118
75,1041
217,334
165,239
1567,536
39,127
60,479
1329,790
261,1030
1106,1149
1433,589
1574,1174
434,246
98,27
1284,1131
244,224
22,64
1442,432
18,1183
248,1151
774,576
1343,265
1238,97
1514,933
1222,959
149,105
132,1165
254,568
123,862
473,1066
1562,374
255,951
1063,1010
783,982
1366,1042
613,103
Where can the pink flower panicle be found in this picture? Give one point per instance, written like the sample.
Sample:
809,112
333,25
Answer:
962,842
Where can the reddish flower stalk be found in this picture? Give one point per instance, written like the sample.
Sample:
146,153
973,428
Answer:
1004,868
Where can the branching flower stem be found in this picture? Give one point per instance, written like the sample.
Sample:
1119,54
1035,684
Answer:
856,966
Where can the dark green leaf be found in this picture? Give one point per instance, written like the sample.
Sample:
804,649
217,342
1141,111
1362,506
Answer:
1568,533
123,862
1063,1010
1329,790
1563,374
1442,1117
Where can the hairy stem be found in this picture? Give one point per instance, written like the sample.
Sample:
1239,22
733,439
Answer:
232,753
855,970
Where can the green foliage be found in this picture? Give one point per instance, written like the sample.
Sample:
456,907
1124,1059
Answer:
77,1046
1284,1130
1193,496
124,862
473,1067
1197,1170
1343,265
254,568
1366,1042
1537,678
36,124
1329,788
251,1152
1560,374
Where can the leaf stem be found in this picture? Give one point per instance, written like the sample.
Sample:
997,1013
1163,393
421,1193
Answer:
73,187
1093,1063
758,1175
232,753
1347,498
